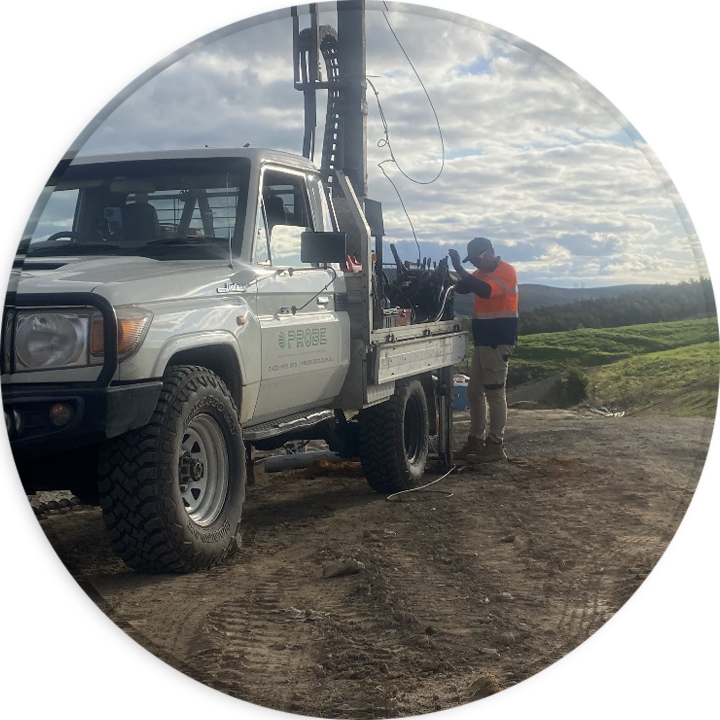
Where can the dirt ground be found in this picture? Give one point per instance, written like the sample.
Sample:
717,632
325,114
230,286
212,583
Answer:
460,595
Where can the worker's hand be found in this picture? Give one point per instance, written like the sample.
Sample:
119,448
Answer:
455,259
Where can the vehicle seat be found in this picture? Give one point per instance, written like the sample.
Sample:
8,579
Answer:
140,222
274,211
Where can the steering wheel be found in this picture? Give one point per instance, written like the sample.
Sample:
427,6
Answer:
66,234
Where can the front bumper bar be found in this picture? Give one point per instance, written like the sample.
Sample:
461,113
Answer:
97,410
97,413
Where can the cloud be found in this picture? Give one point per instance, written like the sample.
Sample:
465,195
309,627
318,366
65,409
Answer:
533,160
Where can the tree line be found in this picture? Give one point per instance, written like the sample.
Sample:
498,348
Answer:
656,303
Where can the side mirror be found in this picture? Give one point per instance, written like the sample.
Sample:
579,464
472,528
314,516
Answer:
323,247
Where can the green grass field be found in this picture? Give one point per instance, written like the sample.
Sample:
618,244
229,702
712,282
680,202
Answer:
671,367
682,381
591,347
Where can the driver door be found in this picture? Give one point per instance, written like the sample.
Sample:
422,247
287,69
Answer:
301,334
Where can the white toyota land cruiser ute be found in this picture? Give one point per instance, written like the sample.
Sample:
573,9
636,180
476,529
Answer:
172,310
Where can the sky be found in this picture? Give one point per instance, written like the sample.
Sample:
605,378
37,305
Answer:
535,158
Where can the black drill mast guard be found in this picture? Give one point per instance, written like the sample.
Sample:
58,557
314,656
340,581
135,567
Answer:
344,54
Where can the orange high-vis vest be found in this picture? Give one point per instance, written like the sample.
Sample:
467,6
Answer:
503,300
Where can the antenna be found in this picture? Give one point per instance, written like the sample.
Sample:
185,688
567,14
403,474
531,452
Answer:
227,202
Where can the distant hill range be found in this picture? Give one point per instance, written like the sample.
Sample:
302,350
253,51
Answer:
534,296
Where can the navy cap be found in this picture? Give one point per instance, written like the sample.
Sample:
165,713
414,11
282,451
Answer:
477,247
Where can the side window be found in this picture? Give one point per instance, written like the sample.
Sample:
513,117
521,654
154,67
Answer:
326,216
262,244
285,216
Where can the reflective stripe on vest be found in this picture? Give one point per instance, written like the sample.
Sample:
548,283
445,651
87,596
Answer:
495,314
503,300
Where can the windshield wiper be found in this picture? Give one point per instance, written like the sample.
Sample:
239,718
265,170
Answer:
67,249
186,239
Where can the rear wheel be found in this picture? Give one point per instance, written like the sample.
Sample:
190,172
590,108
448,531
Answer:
394,439
172,492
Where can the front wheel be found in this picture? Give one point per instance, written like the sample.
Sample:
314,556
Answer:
172,492
394,439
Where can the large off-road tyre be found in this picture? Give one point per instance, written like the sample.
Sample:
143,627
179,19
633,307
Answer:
394,439
172,492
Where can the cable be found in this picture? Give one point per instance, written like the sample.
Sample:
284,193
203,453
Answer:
386,141
422,487
446,294
296,310
292,448
402,203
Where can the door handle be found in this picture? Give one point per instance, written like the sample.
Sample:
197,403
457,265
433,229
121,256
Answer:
323,300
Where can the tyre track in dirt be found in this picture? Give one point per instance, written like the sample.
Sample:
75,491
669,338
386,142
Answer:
602,591
383,629
256,640
265,645
417,588
527,563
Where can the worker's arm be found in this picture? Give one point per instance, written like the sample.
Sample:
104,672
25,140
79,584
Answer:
468,283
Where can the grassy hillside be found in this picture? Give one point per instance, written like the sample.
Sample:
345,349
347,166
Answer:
670,367
592,347
683,381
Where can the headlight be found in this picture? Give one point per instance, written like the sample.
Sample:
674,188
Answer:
63,339
50,339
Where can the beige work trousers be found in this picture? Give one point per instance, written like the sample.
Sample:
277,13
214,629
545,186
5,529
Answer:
486,392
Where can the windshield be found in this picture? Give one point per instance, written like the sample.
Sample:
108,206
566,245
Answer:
176,209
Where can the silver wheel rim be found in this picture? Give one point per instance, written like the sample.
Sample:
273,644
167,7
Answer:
203,472
414,429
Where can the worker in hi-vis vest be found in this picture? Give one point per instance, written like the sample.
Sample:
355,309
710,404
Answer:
494,329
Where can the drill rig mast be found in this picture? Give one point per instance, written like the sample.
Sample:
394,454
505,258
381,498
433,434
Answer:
343,52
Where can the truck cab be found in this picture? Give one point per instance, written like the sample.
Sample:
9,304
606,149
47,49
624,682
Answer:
193,251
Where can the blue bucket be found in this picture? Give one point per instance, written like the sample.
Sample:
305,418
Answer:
460,396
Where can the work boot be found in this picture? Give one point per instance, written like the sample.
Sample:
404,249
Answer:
493,451
473,446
